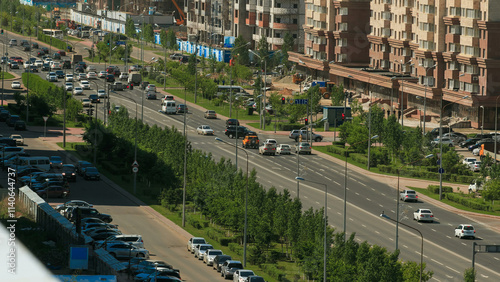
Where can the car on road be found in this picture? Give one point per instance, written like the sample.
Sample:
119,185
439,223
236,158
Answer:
219,261
181,108
465,231
481,142
15,85
69,172
295,135
52,77
91,75
86,102
102,74
446,142
45,67
468,160
81,76
68,86
232,122
240,275
210,114
60,74
284,149
125,250
303,148
195,241
250,141
110,78
85,84
210,255
475,166
19,139
232,131
423,215
267,148
229,267
80,165
56,162
204,130
94,98
123,76
53,191
150,95
12,120
408,195
38,63
90,173
78,91
14,65
201,250
101,93
20,125
151,87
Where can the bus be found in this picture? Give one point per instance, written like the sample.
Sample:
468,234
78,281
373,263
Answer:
56,33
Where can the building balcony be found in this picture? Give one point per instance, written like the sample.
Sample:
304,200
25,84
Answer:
263,9
250,22
341,19
275,41
387,23
283,26
451,74
319,47
251,6
452,38
284,11
256,37
262,23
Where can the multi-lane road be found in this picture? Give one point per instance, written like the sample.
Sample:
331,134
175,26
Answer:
444,254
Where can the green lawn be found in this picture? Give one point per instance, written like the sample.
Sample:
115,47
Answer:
6,75
146,47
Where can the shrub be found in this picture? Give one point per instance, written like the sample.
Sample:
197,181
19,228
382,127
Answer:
225,241
234,247
435,189
289,126
194,222
273,271
471,203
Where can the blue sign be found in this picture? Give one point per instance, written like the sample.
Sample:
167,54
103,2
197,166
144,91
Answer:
120,43
301,101
441,170
79,257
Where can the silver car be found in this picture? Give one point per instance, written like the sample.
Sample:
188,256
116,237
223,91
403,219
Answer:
210,256
303,148
125,250
201,250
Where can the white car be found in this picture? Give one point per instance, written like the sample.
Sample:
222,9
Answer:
446,142
38,63
91,69
210,256
47,60
15,85
150,87
467,161
85,84
102,74
475,166
240,275
91,75
82,76
78,91
465,230
476,151
284,149
204,130
423,215
101,93
195,241
69,78
19,139
86,102
55,66
68,86
202,250
123,76
27,64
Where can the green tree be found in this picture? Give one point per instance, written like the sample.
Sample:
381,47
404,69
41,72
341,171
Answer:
164,39
149,35
191,68
393,135
263,51
130,28
172,40
337,95
287,46
411,272
240,52
469,275
73,109
491,190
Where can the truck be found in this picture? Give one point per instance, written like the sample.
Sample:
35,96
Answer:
85,34
117,86
408,195
76,59
135,78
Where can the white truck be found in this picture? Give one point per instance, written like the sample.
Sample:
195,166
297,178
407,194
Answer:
135,78
168,107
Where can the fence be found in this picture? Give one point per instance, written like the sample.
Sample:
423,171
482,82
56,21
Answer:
60,227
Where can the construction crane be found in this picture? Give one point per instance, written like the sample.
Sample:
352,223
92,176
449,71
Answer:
182,17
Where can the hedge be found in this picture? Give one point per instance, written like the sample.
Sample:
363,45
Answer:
52,41
471,203
289,126
435,189
273,271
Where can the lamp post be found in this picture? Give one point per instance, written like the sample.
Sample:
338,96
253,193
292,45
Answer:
496,124
231,63
426,81
482,121
185,165
263,123
369,127
402,90
398,196
441,144
421,245
345,182
326,222
246,205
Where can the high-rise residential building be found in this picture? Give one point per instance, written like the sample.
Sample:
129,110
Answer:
439,51
252,19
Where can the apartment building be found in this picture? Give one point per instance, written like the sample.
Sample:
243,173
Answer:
413,51
251,19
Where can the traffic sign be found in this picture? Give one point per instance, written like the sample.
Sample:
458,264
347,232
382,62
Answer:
301,101
135,169
135,164
45,119
292,101
441,170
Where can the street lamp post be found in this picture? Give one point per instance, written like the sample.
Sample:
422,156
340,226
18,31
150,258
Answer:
496,124
231,63
345,183
398,196
482,121
421,245
246,205
441,145
184,184
326,221
426,82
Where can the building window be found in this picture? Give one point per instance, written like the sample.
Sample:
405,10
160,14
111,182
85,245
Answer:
429,9
424,44
294,21
342,26
344,11
260,16
455,29
453,84
427,80
277,20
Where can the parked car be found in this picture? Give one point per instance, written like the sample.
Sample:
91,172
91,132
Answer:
435,131
475,166
229,267
469,142
53,191
295,135
81,165
464,231
283,149
467,160
19,139
210,114
12,120
157,274
423,215
210,255
446,142
91,212
204,130
195,241
303,148
56,162
69,172
20,125
255,278
72,203
132,239
125,250
219,261
240,275
201,250
91,173
455,137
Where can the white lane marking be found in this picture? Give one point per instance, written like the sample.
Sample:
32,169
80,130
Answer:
321,169
433,230
361,183
405,246
363,225
484,276
449,237
454,270
449,276
381,205
377,232
339,213
383,194
391,239
357,193
336,182
329,208
464,244
438,262
305,197
329,179
351,219
496,258
368,199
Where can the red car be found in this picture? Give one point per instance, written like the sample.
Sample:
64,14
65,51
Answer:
61,52
53,191
19,60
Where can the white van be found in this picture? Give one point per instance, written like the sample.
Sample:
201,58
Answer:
42,163
227,89
168,107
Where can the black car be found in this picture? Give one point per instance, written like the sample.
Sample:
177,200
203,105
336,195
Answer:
110,78
66,64
219,260
27,171
20,125
94,98
468,142
60,74
231,131
45,67
26,48
81,165
232,121
40,53
69,172
90,212
435,132
12,120
79,69
91,173
33,68
478,144
45,50
34,45
4,115
144,84
56,56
